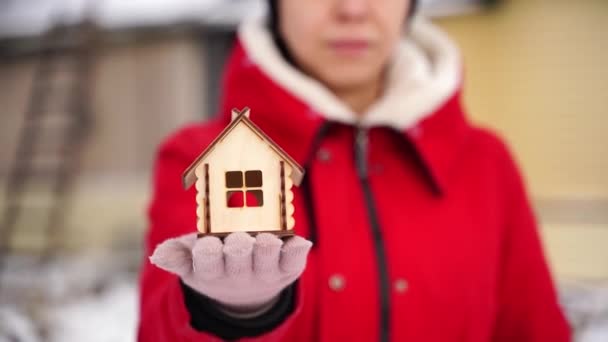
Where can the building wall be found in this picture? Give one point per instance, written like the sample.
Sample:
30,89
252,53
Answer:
143,90
536,72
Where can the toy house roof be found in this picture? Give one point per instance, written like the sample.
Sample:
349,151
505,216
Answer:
189,177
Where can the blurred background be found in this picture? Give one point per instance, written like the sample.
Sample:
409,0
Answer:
88,89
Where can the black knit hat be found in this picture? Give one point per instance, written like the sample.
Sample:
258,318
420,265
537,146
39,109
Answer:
273,25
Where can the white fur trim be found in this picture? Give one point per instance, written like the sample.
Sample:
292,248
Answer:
423,75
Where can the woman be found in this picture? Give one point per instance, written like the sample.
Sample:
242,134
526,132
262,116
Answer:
419,222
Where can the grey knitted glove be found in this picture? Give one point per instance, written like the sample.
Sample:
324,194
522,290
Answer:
243,273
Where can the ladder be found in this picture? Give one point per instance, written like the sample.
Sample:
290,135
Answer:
55,124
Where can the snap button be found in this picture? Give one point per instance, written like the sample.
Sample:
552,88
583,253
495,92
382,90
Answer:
400,285
323,155
337,282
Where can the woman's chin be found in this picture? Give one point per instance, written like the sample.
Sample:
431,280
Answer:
347,79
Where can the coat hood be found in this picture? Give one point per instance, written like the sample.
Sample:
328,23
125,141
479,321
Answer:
424,73
421,99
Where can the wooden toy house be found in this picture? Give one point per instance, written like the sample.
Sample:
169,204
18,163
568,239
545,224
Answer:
243,181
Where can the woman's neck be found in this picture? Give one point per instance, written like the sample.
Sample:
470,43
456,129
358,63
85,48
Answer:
359,98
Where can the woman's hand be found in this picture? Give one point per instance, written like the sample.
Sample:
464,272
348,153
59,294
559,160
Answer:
243,273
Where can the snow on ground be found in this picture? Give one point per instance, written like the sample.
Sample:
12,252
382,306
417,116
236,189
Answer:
109,317
586,306
15,326
94,299
80,298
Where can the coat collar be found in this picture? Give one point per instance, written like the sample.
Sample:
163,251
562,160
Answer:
423,74
439,139
422,100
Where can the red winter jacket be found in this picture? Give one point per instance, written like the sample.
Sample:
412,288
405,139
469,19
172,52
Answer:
422,233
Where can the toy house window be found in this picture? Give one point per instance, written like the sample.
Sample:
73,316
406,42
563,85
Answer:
244,189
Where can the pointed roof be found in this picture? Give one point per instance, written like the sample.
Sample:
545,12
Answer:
242,116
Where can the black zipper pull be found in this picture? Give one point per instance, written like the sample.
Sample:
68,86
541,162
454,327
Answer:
361,146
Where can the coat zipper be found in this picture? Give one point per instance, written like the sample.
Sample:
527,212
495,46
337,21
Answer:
361,164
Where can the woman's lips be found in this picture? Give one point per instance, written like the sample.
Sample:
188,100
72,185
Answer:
350,47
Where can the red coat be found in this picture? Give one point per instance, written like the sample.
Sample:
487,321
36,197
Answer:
456,255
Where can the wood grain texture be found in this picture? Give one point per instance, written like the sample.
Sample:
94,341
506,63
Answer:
242,150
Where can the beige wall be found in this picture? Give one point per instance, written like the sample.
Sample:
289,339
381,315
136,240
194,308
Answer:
536,72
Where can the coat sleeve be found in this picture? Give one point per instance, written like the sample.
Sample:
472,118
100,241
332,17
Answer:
163,312
529,310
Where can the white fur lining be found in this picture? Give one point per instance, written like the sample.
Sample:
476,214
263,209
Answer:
423,75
